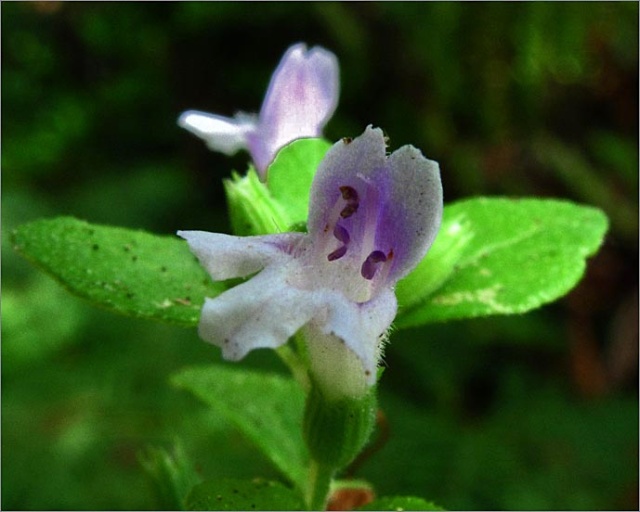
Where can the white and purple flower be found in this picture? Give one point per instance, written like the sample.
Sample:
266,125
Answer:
372,218
301,98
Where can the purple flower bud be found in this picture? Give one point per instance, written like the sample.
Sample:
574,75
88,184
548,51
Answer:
300,100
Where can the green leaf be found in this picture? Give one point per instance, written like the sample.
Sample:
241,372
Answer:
126,271
232,494
290,175
267,408
400,503
440,263
500,256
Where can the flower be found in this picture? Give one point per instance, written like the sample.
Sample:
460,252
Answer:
372,218
301,98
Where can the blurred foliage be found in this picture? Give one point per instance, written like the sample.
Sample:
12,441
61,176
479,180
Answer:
532,412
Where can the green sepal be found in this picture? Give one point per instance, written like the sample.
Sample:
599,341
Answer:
252,208
282,203
336,430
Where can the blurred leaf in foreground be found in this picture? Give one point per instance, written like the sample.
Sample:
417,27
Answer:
267,408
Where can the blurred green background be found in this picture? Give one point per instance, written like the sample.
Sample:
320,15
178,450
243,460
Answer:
531,412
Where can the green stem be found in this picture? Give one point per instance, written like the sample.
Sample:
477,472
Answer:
320,477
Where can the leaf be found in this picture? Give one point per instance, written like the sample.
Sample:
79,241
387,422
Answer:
400,503
126,271
440,263
506,256
233,494
290,175
267,408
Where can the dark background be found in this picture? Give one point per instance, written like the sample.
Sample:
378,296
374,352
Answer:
532,412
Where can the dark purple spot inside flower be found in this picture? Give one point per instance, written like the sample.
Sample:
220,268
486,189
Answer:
350,195
370,265
341,234
348,211
338,253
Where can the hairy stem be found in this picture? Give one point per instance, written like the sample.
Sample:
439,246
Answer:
320,477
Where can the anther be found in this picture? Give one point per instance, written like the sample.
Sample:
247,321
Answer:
343,236
350,195
338,253
348,211
370,265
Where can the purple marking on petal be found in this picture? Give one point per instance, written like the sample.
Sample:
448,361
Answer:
350,195
341,234
370,265
399,200
338,253
348,211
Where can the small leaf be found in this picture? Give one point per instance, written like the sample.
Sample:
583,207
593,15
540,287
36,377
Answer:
505,256
232,494
290,175
267,408
400,503
126,271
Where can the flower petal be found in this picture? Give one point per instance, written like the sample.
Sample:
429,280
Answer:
347,161
362,326
226,256
264,312
345,344
302,96
417,189
220,133
400,199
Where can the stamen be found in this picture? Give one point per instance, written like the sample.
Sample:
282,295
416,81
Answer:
342,235
350,195
338,253
370,265
348,211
